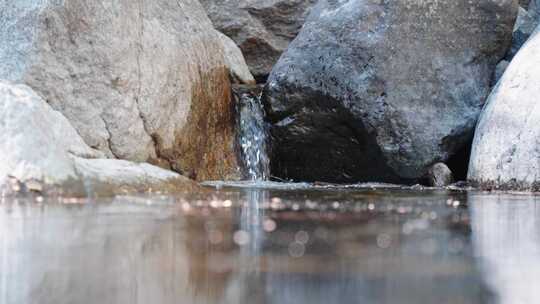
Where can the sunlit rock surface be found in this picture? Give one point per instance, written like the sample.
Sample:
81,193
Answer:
506,148
139,80
261,28
381,90
40,147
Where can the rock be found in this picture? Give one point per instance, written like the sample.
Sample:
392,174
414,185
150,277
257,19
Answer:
261,28
42,152
534,6
113,176
524,3
506,148
36,140
379,91
139,80
524,27
439,175
500,69
235,61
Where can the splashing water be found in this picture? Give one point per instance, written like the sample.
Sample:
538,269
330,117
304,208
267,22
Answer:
253,135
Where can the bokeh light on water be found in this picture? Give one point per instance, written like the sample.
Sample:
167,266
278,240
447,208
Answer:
273,244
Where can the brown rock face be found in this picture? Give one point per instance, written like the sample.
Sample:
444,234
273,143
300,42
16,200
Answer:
207,139
139,80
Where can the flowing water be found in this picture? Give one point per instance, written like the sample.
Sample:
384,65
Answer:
273,243
253,136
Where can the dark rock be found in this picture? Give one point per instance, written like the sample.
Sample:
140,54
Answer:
534,6
439,175
501,68
261,28
379,91
524,3
525,25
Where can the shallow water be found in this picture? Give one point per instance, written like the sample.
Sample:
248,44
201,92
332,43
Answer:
273,243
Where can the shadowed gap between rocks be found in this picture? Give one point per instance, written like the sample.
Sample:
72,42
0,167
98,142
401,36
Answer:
459,162
301,156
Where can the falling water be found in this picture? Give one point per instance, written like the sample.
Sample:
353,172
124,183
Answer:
253,135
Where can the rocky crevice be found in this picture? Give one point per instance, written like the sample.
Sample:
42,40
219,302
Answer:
137,98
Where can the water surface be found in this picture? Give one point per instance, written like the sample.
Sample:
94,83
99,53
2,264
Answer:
273,243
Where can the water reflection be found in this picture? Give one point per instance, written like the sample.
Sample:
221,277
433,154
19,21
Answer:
259,246
506,235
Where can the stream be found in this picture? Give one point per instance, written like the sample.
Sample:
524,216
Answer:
264,242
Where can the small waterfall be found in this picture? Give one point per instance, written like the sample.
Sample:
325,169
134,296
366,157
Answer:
253,135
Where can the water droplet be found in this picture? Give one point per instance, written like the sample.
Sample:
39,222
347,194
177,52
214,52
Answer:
215,237
227,204
384,240
269,225
296,250
241,237
302,237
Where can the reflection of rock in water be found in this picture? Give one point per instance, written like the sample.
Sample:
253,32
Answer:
109,254
90,254
138,250
506,238
404,273
209,245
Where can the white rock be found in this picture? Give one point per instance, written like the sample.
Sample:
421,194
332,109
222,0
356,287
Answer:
34,138
506,148
38,144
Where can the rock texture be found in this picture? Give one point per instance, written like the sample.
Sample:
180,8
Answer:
439,175
261,28
525,25
534,6
506,149
235,61
500,69
139,80
40,150
382,90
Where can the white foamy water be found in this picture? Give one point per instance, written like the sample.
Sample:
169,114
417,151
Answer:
253,136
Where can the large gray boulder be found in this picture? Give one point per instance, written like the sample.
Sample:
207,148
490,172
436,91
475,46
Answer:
261,28
40,150
139,80
382,90
506,148
534,5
